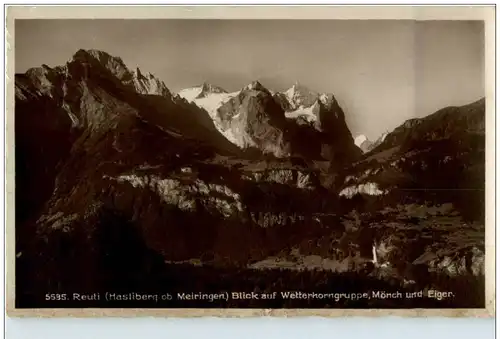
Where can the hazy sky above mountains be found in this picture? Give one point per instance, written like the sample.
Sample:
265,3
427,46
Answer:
381,72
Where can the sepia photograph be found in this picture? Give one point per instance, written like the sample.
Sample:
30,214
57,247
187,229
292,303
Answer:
201,163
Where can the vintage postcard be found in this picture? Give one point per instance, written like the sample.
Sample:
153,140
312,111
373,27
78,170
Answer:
248,161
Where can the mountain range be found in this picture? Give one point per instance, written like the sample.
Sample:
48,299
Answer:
274,122
122,184
366,145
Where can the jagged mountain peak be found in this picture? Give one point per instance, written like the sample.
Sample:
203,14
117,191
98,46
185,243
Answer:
256,86
97,59
139,74
143,82
206,89
116,66
95,53
103,58
85,65
98,55
301,96
150,85
38,71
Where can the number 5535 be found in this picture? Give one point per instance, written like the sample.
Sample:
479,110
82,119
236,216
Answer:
55,296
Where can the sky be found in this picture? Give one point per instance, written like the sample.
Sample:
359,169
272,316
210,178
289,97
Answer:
382,72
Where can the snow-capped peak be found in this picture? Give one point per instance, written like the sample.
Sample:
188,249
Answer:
207,96
207,89
202,91
299,95
360,139
190,93
210,98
